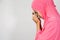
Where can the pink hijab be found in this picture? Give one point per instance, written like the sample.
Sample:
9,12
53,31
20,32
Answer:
41,5
51,30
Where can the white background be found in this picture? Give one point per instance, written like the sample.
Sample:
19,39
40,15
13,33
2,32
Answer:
16,19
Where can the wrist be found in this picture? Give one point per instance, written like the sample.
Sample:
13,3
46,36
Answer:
38,26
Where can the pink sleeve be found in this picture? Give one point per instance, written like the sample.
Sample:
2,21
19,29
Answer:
47,33
38,33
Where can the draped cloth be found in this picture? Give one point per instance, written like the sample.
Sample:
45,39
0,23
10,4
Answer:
51,17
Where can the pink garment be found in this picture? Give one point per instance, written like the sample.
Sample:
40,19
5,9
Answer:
51,27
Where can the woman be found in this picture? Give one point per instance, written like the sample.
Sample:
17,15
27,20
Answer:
46,10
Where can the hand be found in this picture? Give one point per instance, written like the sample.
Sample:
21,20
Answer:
35,18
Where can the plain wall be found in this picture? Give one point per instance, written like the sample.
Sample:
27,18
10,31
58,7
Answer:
16,19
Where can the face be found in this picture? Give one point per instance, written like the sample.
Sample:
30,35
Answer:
37,14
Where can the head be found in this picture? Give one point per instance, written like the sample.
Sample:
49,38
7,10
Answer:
43,8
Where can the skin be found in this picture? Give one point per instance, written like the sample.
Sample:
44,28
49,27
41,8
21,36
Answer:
36,19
